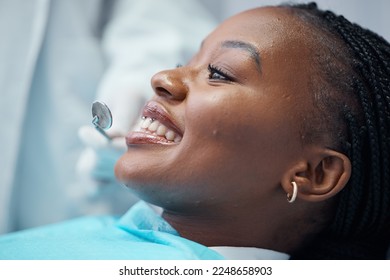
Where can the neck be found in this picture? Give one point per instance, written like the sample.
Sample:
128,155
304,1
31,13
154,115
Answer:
209,230
234,227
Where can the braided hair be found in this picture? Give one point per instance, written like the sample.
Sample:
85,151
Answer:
353,79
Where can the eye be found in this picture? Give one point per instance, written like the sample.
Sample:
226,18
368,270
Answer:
216,73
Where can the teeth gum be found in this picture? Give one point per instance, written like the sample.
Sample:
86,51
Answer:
155,127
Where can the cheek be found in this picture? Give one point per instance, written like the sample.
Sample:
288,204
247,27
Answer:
237,119
218,118
240,145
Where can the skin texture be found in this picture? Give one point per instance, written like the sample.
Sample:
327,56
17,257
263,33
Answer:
226,182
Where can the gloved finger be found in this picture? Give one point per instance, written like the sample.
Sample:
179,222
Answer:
86,162
104,165
119,143
98,164
91,137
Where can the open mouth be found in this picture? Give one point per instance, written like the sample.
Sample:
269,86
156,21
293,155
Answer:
155,126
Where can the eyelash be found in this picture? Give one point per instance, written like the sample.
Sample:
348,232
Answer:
216,70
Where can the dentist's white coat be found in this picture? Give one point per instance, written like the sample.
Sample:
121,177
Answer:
56,57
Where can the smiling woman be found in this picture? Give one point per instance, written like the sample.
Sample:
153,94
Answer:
272,142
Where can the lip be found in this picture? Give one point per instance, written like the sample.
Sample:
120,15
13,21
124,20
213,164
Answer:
158,112
139,137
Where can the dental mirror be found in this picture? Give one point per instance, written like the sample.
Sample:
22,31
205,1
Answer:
101,117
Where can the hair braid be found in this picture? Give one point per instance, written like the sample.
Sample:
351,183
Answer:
362,218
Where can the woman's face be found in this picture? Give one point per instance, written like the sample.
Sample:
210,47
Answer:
226,125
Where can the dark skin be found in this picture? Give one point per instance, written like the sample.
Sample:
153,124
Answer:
235,108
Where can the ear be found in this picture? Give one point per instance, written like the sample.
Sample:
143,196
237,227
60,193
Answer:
321,175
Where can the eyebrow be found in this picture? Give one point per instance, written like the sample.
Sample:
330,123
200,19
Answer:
248,47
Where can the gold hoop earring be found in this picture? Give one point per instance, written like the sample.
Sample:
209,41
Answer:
291,198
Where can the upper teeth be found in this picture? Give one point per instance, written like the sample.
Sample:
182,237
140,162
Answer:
159,129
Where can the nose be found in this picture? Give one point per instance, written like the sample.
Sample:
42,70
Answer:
170,84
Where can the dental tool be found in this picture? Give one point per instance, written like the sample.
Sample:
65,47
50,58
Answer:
101,118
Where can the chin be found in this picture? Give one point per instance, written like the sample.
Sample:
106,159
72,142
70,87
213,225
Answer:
122,170
137,173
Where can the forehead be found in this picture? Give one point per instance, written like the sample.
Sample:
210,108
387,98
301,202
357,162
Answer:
261,26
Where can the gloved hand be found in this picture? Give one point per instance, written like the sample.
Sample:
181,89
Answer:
100,155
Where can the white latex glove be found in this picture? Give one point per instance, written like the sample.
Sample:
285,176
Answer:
99,192
98,159
100,155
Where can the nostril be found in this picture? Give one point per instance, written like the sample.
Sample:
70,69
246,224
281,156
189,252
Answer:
169,84
162,91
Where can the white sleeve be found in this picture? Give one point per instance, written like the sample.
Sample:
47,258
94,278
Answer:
140,39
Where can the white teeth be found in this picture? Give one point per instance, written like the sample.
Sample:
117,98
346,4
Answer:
160,129
170,135
153,127
146,123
